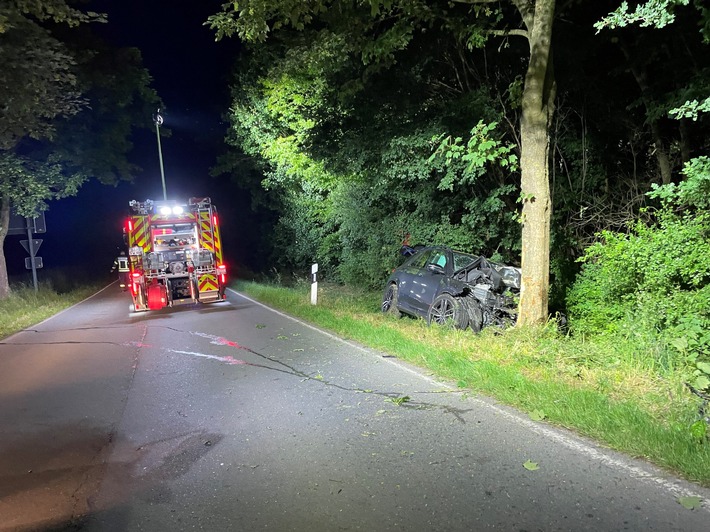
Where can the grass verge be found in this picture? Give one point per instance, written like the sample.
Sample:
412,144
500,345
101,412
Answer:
595,387
25,307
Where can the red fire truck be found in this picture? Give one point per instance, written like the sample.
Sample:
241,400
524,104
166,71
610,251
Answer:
175,253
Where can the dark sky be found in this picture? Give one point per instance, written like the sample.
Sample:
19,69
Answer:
191,74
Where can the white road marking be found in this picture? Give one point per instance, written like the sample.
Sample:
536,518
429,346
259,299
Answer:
227,359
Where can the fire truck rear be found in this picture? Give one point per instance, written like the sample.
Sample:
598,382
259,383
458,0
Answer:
175,253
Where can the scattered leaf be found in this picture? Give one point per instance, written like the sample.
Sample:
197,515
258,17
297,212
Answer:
689,503
399,400
531,466
261,326
298,350
282,337
537,415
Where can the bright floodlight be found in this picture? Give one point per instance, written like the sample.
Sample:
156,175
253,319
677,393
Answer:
177,209
165,209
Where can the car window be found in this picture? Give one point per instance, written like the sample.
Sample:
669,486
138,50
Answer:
461,260
438,257
419,260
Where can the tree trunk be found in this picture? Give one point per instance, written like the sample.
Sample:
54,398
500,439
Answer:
4,226
664,163
683,127
537,111
661,151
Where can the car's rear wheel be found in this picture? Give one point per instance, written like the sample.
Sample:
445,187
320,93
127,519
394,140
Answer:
389,302
448,310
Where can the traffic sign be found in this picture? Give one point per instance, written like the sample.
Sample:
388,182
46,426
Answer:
36,243
18,224
28,262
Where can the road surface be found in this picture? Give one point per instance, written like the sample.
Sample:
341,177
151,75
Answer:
232,417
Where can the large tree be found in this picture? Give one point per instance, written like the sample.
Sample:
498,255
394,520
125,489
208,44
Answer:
390,28
57,90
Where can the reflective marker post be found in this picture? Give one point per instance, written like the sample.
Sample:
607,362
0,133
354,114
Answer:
314,284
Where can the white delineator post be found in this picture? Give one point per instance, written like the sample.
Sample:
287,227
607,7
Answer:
314,284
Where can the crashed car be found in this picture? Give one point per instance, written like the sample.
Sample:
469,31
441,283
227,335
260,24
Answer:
453,288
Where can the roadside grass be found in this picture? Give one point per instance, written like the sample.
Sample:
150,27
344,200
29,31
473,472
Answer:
25,307
613,392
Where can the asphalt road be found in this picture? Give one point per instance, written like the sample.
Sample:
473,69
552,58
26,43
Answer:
235,417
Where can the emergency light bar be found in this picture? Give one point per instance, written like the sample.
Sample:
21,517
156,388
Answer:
157,207
166,209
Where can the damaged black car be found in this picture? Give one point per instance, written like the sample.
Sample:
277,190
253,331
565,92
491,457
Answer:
449,287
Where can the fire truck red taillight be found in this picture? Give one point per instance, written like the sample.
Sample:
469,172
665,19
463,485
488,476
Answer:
135,277
130,225
222,272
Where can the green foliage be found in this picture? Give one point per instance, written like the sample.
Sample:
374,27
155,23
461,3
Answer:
691,109
599,298
383,48
30,183
118,90
655,13
667,264
348,151
694,191
39,82
298,239
482,149
249,19
699,432
655,278
691,338
57,11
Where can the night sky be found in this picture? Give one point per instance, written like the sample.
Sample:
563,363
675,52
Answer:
191,75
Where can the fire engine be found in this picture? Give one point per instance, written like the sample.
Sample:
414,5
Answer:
175,253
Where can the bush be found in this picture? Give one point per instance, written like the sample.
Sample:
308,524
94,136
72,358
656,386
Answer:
653,281
603,292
